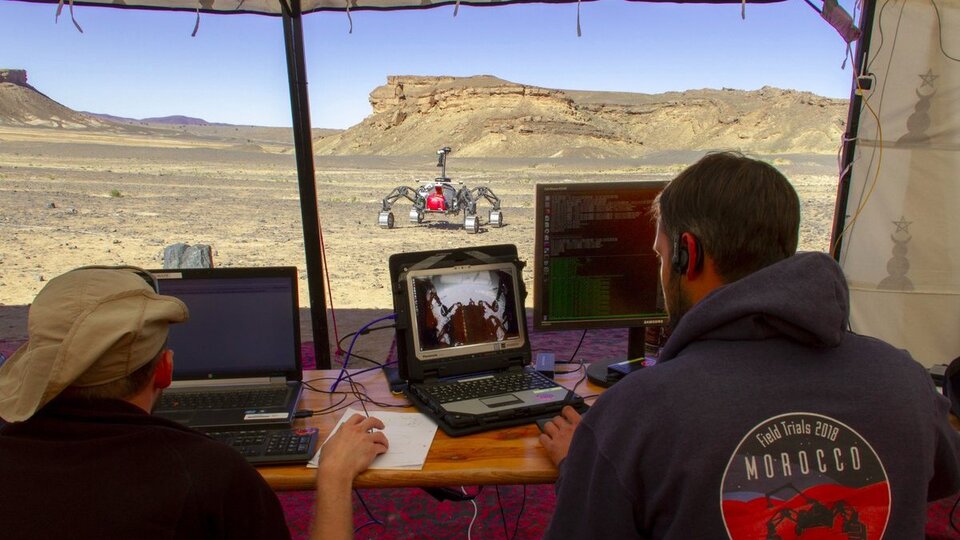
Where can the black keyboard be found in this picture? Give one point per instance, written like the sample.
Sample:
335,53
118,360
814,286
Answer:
271,446
254,398
488,386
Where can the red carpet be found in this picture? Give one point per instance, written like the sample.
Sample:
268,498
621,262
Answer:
412,513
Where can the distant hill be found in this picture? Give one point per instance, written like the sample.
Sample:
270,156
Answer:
483,116
23,105
176,120
487,116
181,120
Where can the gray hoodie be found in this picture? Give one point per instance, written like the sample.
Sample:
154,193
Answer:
765,418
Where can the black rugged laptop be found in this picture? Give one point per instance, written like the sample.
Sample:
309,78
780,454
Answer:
462,342
237,360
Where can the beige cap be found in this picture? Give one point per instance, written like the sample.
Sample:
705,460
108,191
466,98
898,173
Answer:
87,327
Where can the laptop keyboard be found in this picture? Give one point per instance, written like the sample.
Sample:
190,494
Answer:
230,399
271,446
488,386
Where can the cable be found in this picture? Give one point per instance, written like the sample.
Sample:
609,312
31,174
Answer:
373,520
346,360
523,505
326,275
876,176
357,394
582,377
503,518
575,351
940,32
476,510
952,512
364,358
361,396
879,27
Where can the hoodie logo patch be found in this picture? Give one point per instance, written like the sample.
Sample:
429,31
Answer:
804,475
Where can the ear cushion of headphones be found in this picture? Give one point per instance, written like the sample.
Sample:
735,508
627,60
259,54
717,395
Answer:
951,385
681,257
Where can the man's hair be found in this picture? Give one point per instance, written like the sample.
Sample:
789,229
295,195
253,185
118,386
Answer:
120,388
744,212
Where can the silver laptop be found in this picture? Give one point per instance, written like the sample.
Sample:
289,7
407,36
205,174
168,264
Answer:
237,360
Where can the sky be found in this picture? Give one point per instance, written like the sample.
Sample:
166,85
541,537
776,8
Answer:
140,64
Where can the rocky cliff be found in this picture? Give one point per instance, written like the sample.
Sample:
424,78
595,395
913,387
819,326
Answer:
487,116
23,105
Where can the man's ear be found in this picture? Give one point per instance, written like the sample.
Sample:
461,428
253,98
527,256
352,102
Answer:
691,244
163,376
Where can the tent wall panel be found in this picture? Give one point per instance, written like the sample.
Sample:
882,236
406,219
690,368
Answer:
901,248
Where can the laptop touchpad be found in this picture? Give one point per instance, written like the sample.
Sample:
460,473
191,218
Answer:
500,401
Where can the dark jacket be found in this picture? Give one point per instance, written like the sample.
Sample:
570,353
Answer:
106,469
764,415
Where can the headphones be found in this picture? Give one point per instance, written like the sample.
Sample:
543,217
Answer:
680,260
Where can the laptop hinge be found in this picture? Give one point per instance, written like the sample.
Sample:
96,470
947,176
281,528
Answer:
214,384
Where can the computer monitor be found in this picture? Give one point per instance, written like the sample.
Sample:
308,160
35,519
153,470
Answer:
594,264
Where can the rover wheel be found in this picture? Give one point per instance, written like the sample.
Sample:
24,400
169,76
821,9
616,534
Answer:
416,216
471,224
496,218
385,220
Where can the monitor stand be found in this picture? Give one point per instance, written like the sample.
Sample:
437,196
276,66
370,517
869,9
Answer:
597,370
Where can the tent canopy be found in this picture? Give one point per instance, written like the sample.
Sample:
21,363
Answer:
275,7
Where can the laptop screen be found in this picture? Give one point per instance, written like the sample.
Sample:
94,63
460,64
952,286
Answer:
464,310
243,322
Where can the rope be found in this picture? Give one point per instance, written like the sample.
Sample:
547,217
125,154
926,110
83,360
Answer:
326,275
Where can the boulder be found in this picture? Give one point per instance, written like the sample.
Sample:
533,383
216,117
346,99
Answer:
186,256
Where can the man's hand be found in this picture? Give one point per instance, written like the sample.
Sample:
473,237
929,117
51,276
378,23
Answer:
353,447
345,455
558,432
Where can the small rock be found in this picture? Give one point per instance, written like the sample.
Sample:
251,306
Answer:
51,205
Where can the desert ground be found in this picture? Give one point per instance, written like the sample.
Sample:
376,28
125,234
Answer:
76,197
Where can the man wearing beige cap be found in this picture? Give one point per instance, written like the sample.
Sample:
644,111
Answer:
83,458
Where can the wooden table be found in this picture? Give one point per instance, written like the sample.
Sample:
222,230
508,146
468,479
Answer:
504,456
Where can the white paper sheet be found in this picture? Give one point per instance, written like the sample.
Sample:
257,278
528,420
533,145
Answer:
409,435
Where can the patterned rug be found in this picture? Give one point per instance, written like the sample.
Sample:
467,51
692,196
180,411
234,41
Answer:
502,512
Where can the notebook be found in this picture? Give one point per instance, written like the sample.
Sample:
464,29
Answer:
236,362
462,342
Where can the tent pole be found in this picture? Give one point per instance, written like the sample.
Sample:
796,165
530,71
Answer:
853,127
303,144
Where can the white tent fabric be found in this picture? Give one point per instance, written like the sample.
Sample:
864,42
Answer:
901,251
274,7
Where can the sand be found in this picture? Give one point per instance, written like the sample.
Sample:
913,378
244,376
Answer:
73,198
